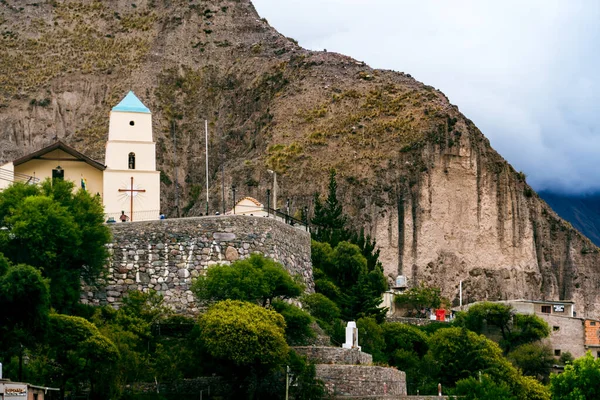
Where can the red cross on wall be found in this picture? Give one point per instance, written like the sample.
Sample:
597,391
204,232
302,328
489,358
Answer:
131,192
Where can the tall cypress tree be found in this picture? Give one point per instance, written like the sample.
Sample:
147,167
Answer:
329,218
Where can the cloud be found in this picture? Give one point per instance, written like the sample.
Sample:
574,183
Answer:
527,73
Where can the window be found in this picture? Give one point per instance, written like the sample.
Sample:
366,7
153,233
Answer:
131,123
58,173
555,328
131,160
592,323
546,309
557,352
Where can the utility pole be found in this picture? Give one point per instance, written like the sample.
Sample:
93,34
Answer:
268,201
223,181
174,134
234,203
274,188
206,140
287,382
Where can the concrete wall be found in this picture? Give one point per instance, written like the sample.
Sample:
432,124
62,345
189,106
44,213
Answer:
357,380
165,255
334,355
568,337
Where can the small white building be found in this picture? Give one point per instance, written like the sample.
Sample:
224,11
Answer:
248,206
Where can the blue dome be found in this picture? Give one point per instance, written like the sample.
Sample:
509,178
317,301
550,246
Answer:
131,104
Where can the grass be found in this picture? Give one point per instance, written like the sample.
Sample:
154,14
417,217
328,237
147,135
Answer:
76,40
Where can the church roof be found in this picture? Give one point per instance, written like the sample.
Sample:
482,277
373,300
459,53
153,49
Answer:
131,104
251,199
59,145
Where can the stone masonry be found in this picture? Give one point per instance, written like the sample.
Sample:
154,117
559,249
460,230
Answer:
334,355
358,380
166,255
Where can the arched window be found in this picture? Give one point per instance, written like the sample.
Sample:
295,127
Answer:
131,160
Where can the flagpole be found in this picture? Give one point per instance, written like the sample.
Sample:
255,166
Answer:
206,140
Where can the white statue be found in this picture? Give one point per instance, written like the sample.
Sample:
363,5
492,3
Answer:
351,336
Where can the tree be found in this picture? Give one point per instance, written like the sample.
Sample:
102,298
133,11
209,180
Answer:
329,217
24,309
483,388
371,338
342,274
534,359
405,337
256,279
297,323
515,329
24,306
246,340
83,356
457,353
579,381
57,231
419,298
304,385
327,314
460,353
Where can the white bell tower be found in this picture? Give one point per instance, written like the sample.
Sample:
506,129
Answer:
131,181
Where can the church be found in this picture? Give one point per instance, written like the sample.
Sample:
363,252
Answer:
127,182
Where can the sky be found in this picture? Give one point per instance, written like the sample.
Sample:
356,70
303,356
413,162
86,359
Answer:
527,73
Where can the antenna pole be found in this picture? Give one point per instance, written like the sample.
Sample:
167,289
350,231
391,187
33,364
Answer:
222,176
206,140
175,166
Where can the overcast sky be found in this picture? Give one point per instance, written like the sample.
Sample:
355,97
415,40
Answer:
526,72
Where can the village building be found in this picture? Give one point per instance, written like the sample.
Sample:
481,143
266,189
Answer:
568,332
10,390
248,206
127,182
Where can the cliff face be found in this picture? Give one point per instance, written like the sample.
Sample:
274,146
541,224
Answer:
415,172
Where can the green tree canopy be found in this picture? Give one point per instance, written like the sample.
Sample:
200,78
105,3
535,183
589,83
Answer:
24,306
418,298
534,359
256,279
245,342
57,231
371,338
579,381
483,388
329,218
243,334
406,337
82,356
457,353
297,323
515,329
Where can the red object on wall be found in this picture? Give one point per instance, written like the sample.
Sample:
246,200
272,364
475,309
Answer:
440,315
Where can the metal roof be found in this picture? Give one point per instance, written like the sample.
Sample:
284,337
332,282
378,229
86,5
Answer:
131,104
59,145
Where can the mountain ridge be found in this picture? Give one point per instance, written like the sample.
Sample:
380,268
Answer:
416,173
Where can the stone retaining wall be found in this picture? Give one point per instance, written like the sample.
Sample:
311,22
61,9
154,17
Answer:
165,255
334,355
357,380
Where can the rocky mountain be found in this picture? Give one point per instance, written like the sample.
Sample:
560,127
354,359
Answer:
414,171
582,211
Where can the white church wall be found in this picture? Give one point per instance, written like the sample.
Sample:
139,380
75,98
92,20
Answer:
7,172
120,127
117,155
146,205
